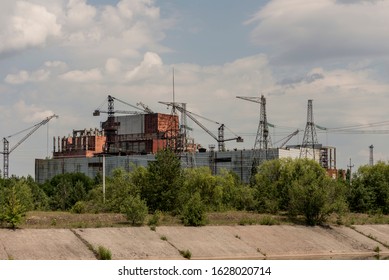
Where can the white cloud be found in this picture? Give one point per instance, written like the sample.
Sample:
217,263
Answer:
30,113
112,65
151,63
80,14
81,76
29,25
301,31
24,77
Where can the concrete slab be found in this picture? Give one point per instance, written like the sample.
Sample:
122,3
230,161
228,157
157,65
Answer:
378,232
130,243
3,253
43,244
210,242
300,242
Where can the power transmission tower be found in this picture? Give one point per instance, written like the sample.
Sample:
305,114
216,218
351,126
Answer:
310,137
371,160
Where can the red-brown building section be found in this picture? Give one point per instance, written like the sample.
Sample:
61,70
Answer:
121,135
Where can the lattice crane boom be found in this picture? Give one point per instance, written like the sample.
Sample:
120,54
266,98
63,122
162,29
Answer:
219,139
7,150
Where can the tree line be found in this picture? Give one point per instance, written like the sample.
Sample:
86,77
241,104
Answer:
297,187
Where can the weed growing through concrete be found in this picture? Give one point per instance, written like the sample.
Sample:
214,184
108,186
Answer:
104,253
186,254
164,238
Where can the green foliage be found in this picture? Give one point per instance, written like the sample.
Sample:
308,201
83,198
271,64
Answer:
79,208
164,180
135,209
268,221
314,194
200,181
13,210
186,254
369,191
300,187
193,213
104,253
65,190
155,218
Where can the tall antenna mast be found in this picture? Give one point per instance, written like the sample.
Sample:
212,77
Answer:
310,136
174,97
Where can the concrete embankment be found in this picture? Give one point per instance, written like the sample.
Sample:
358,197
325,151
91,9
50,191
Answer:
209,242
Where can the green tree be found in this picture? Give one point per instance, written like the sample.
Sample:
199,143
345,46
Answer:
65,190
135,209
193,212
13,210
300,187
369,191
163,181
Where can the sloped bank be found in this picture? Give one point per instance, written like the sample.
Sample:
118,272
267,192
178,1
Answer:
209,242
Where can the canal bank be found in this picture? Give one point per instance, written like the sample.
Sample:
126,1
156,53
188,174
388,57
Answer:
209,242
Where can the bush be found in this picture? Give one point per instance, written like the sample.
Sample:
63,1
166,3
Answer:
135,209
186,254
79,207
104,253
193,213
154,220
13,211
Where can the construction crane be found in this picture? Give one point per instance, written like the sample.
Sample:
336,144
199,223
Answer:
7,150
287,138
111,111
145,108
262,140
220,138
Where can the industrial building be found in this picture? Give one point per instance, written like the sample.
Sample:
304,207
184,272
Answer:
133,140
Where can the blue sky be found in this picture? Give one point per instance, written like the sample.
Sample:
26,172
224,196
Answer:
66,56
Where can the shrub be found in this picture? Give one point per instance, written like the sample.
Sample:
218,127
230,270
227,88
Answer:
186,254
104,253
135,209
268,221
154,220
14,211
193,213
79,207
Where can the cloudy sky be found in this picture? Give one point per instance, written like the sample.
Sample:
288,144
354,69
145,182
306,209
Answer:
66,56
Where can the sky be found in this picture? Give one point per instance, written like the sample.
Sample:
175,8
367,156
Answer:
65,56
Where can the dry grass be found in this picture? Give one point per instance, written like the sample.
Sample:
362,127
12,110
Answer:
37,219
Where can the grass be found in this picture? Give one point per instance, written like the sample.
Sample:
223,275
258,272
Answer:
186,254
36,219
104,253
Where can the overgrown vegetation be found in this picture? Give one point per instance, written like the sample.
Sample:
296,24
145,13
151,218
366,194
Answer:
284,188
104,253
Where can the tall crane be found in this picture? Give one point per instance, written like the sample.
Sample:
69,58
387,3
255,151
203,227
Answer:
7,150
287,138
111,111
220,138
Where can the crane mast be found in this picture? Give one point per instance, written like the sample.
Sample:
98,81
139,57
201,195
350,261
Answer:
219,139
7,150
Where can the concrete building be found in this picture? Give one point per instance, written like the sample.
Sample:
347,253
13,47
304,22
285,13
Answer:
240,162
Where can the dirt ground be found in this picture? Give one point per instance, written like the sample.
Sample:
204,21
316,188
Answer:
209,242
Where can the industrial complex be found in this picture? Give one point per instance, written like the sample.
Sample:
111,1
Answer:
128,139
